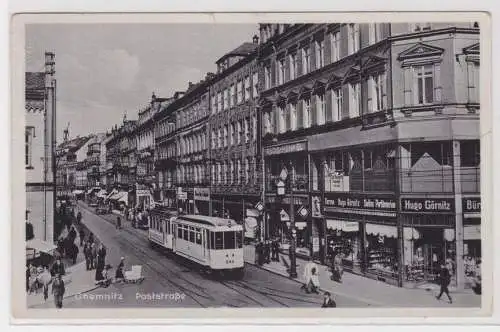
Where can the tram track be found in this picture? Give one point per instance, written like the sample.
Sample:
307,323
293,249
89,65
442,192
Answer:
248,295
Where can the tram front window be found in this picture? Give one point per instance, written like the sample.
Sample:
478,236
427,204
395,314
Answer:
229,240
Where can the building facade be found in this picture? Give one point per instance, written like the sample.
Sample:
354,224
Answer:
235,159
192,155
146,184
40,170
166,153
93,161
374,130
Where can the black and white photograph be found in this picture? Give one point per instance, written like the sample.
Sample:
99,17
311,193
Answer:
262,164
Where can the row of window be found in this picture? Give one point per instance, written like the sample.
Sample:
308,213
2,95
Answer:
191,174
235,171
189,233
145,140
192,114
192,144
240,132
314,56
213,240
164,128
235,94
166,151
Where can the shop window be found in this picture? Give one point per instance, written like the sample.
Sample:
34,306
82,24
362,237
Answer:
441,153
470,153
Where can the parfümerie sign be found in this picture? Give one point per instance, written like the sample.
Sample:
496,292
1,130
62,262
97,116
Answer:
439,205
360,202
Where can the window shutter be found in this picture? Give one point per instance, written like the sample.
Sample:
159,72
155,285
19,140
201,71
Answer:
437,83
328,49
408,84
314,110
329,106
345,102
300,113
288,123
312,57
273,74
363,98
299,62
287,68
369,94
364,34
344,36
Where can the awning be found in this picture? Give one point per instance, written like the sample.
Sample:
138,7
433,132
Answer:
123,198
39,245
298,224
89,191
117,195
113,192
382,230
102,193
250,223
342,225
411,233
77,192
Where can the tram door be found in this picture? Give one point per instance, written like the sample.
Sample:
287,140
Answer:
206,246
174,236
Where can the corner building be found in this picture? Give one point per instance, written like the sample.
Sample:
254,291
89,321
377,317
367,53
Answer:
374,129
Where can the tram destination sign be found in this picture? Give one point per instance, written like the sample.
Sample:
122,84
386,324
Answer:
434,205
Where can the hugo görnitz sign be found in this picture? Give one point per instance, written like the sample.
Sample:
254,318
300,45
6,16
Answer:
364,202
435,205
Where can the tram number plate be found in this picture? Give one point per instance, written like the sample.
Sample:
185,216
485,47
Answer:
229,261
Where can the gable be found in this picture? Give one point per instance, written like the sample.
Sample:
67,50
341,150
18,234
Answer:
473,49
420,50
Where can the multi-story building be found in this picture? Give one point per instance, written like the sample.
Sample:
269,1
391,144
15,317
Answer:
121,159
236,170
93,160
166,153
191,113
40,149
374,131
67,161
145,135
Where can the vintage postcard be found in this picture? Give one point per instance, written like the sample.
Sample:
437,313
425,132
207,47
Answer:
274,166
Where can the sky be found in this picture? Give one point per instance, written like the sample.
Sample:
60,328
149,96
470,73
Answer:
104,71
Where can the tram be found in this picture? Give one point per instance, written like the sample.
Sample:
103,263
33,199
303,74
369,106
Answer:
216,244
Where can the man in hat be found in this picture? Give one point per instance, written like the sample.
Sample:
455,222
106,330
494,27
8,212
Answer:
58,290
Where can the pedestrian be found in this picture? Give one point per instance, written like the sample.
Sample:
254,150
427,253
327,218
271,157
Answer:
308,268
79,217
260,252
444,282
87,251
93,257
27,278
267,251
275,250
74,252
313,285
45,278
82,236
72,234
57,268
58,290
338,266
101,256
91,238
328,302
119,274
118,223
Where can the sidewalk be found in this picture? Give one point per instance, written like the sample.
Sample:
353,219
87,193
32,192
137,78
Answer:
77,281
368,290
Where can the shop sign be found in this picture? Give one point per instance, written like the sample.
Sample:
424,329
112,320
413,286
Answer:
316,206
471,205
363,202
201,194
337,181
315,244
440,205
142,192
472,232
286,148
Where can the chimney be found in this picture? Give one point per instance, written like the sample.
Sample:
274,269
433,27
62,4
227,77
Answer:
209,76
190,85
255,39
